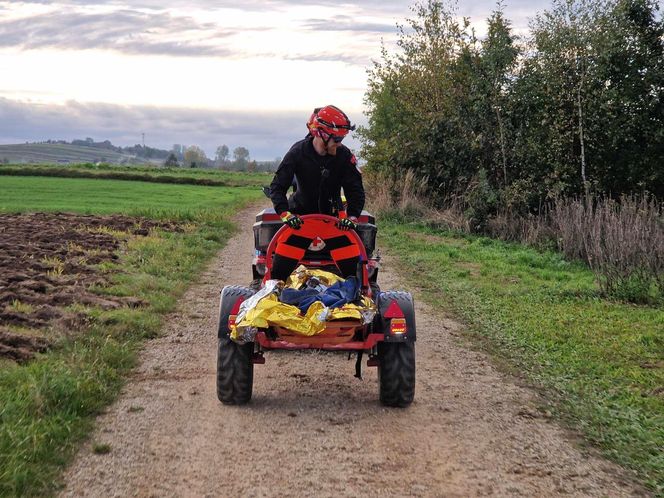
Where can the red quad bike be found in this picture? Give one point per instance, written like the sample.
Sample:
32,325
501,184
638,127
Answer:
389,340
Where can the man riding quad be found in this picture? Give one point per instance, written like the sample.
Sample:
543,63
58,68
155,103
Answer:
331,301
321,165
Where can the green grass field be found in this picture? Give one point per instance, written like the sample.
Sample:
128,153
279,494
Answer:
47,406
93,196
600,361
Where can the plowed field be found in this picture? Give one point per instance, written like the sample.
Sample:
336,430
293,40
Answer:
49,263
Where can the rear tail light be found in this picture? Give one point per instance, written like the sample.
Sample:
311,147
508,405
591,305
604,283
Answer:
398,326
397,319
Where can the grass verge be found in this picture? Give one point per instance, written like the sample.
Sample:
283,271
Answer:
47,406
601,362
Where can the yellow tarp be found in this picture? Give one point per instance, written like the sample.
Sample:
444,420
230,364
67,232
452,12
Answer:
301,274
268,311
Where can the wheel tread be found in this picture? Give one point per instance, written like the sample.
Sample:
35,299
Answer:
235,372
396,373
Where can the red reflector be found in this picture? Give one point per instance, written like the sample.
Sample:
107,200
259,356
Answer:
236,306
398,326
233,314
394,311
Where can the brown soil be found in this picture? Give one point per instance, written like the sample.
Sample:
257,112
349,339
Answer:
19,347
47,262
312,429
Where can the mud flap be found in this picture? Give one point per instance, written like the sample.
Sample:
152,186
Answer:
396,304
229,298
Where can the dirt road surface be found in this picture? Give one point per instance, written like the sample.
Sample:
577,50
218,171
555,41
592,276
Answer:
312,429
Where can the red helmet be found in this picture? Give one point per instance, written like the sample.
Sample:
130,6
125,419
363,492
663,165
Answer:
331,121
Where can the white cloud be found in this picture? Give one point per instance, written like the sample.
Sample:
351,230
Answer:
114,65
233,84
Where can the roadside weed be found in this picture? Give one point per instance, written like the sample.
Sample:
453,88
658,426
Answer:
101,448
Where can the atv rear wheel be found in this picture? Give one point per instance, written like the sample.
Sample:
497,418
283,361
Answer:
396,373
235,372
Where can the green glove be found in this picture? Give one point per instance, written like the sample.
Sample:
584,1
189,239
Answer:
292,220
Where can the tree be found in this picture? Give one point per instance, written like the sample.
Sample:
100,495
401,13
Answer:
630,121
497,64
590,99
241,154
241,158
221,156
556,100
578,107
421,116
179,150
171,161
194,157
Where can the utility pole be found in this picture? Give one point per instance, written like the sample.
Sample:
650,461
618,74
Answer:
143,139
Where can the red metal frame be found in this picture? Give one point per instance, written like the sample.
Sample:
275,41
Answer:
368,343
322,219
262,259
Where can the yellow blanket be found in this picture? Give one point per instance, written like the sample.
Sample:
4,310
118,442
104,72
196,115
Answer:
264,309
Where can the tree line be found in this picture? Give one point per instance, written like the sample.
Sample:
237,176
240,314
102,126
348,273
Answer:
194,157
503,122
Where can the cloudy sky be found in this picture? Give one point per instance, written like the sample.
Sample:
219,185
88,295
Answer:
194,71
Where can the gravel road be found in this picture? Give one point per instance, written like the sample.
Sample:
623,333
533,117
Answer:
313,429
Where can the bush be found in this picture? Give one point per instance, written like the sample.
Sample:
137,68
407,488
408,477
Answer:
531,229
621,240
481,200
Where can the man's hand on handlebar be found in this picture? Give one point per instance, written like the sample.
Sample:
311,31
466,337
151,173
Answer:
347,224
292,220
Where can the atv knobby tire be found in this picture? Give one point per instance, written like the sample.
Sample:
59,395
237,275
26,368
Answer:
396,373
235,372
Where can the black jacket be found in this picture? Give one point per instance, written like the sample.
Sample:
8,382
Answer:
319,181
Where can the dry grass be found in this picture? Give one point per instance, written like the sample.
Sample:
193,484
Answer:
533,230
621,240
406,197
403,194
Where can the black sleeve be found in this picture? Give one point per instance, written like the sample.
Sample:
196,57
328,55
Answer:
282,181
353,188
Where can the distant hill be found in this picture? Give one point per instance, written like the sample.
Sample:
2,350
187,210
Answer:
64,153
